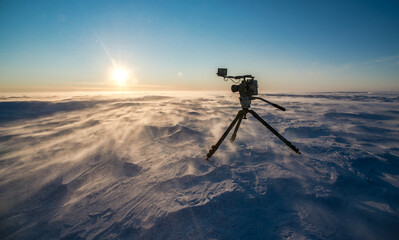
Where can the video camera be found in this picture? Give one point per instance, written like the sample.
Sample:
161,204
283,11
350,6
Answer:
248,85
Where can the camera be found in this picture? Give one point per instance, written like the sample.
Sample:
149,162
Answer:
248,85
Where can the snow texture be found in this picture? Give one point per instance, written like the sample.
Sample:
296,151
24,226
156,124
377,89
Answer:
131,166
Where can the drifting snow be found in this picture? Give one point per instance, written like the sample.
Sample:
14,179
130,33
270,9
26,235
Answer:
132,166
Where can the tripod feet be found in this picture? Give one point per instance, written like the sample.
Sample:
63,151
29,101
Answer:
211,152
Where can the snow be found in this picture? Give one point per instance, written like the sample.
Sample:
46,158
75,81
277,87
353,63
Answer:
132,165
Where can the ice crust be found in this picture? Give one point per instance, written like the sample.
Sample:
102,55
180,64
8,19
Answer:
132,166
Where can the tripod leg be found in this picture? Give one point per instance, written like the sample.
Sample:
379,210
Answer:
216,146
233,137
289,144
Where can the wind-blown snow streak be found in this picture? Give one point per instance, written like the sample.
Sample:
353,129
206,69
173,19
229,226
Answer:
132,166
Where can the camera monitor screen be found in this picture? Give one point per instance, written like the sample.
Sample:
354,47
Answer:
222,72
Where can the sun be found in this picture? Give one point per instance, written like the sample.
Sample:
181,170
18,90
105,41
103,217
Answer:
120,75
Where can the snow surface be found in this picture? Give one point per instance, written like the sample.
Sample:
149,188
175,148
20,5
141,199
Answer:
130,166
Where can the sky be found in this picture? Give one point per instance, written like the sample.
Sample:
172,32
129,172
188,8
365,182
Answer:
178,45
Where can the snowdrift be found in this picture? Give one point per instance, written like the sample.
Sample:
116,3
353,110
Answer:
131,166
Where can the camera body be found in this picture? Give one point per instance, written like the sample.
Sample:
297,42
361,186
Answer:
246,87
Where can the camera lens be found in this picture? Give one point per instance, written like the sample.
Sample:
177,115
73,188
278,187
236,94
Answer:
235,88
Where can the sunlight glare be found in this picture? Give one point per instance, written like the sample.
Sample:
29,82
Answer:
120,76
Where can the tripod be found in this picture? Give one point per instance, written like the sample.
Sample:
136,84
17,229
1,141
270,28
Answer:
242,114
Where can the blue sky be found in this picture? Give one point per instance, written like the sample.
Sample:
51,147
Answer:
174,45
